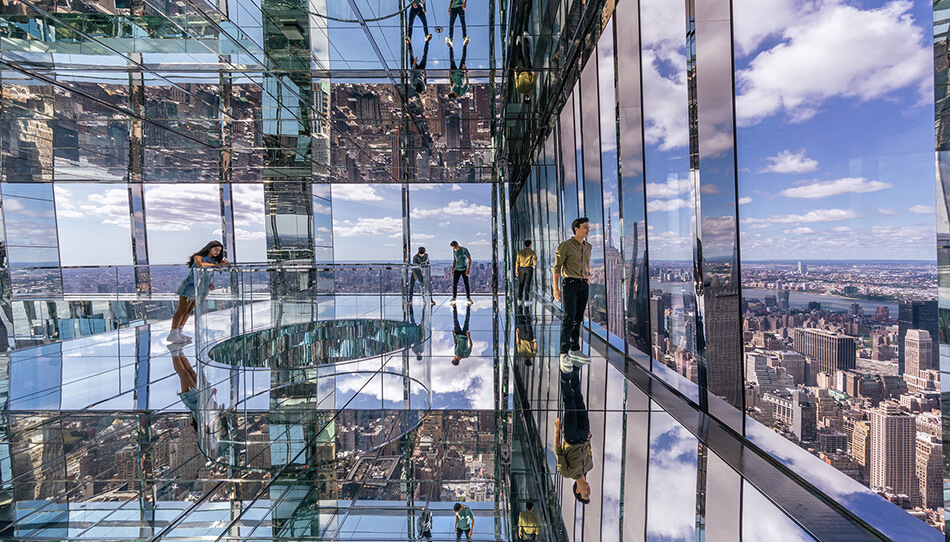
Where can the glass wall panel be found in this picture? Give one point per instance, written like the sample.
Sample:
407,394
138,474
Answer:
180,219
593,192
613,259
99,211
767,522
250,236
835,185
671,492
637,302
669,193
568,167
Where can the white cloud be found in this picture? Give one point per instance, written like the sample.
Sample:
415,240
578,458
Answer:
824,189
667,205
456,187
669,189
745,200
454,209
355,192
817,215
803,230
839,229
835,51
789,162
177,207
921,210
368,226
887,212
422,236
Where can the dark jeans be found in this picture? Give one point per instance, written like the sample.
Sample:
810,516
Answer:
453,14
461,329
416,275
525,274
458,534
575,423
417,12
455,283
574,302
452,64
427,534
529,536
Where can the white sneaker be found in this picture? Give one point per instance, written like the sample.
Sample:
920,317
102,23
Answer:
566,364
579,357
448,41
175,336
188,339
465,41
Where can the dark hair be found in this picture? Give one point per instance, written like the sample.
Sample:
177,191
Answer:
206,251
577,223
420,88
456,360
527,242
454,243
422,250
529,506
457,507
578,495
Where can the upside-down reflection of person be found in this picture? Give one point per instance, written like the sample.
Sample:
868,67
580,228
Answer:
574,459
526,345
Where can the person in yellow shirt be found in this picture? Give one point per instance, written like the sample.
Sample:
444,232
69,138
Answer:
526,260
528,526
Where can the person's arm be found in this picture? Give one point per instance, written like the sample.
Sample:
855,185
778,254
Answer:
558,264
557,433
469,268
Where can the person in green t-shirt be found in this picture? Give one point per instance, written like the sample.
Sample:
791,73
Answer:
464,521
461,268
458,74
457,11
462,336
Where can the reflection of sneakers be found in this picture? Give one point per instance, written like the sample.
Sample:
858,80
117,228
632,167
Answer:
452,301
433,302
448,41
175,349
579,357
465,41
469,301
175,336
566,364
428,38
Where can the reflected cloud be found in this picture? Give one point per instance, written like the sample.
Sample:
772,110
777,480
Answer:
789,162
824,189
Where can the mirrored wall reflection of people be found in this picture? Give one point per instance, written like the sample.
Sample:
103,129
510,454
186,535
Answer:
525,262
417,9
461,268
417,333
464,521
461,335
572,263
574,459
526,344
424,524
421,258
525,76
457,11
458,73
528,526
417,71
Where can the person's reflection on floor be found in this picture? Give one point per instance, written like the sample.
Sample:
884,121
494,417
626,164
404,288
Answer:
189,394
417,74
574,458
417,333
418,9
461,335
525,342
458,74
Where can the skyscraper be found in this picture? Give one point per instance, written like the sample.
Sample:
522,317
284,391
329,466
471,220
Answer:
831,351
914,315
918,350
893,447
930,470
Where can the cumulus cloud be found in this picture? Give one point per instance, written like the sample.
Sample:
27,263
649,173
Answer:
817,215
789,162
921,210
667,205
824,189
887,212
745,200
355,192
177,207
832,50
669,189
803,230
368,226
454,209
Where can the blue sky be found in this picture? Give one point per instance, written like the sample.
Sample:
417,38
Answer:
835,136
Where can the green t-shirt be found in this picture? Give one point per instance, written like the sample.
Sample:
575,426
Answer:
456,3
457,77
461,259
463,347
465,518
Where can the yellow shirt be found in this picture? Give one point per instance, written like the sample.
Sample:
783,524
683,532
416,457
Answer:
528,522
526,258
524,81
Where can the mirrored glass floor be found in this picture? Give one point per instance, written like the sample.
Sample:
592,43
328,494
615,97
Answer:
99,443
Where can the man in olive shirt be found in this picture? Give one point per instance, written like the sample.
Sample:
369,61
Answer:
461,268
573,262
573,456
528,526
524,270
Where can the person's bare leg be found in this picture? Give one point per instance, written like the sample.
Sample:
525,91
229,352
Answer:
189,307
181,313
